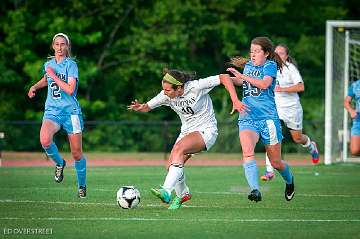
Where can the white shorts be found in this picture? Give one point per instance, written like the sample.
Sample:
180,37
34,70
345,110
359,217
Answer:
209,136
292,116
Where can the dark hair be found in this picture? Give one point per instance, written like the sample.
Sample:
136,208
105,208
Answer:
266,46
289,59
181,76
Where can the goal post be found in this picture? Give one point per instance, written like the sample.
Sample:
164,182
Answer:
342,65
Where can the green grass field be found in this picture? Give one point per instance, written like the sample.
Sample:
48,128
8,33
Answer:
324,205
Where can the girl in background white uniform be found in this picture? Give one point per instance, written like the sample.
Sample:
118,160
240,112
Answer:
289,83
190,99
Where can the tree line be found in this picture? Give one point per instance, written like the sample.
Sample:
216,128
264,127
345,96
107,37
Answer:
121,48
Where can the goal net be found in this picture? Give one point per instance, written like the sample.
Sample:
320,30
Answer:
342,68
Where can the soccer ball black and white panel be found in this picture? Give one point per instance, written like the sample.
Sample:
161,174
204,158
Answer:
128,197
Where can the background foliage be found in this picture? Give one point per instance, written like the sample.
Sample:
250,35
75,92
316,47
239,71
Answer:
122,46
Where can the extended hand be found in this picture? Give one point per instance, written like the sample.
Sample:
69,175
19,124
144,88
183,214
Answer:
31,92
135,106
235,72
353,114
239,106
277,88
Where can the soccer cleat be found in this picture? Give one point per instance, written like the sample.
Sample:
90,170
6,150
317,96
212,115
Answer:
82,192
315,157
290,191
255,195
162,194
178,201
59,172
267,176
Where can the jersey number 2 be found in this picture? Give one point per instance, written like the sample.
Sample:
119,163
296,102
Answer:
55,90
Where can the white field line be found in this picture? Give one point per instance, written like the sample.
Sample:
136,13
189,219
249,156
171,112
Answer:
96,203
194,192
160,205
175,219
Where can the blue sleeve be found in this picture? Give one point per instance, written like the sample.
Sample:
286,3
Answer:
73,70
270,69
351,91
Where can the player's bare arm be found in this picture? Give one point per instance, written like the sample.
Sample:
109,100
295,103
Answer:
139,107
237,80
348,107
38,85
261,84
299,87
69,88
229,86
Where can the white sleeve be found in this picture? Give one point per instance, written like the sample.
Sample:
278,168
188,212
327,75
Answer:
159,100
208,83
295,74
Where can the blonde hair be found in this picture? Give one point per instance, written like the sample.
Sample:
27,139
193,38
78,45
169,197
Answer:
68,43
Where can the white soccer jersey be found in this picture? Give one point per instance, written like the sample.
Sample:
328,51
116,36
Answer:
194,107
289,76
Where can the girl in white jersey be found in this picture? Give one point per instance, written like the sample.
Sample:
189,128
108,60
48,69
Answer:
62,110
190,99
289,83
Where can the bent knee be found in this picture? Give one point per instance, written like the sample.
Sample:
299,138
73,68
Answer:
248,156
77,155
297,140
45,142
178,149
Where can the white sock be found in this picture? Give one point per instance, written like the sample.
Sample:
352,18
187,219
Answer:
180,187
173,176
309,145
269,167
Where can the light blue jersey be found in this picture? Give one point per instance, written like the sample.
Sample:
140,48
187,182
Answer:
261,102
354,93
58,102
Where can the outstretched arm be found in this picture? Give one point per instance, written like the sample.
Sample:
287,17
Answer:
261,84
229,86
347,106
138,107
38,85
299,87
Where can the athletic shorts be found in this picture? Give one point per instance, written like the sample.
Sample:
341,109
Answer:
209,136
72,124
269,130
355,129
292,116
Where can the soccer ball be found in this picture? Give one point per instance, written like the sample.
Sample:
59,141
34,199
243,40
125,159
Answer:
128,197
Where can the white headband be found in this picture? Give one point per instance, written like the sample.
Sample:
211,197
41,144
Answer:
63,35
